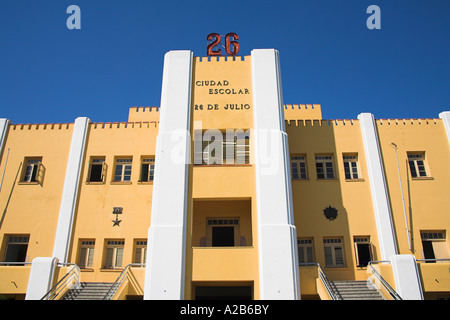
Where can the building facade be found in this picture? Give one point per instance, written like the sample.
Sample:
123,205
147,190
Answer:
224,191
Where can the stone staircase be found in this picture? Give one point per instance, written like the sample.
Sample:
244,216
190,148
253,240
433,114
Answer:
89,291
356,290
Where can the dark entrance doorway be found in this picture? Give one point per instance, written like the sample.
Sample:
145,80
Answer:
223,236
223,293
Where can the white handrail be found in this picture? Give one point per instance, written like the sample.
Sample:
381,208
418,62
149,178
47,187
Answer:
324,280
120,279
72,274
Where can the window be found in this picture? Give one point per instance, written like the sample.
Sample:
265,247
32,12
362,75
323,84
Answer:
33,170
305,250
16,248
223,232
298,168
97,170
351,166
114,254
217,147
417,164
140,251
324,167
147,169
86,254
334,252
434,245
122,170
363,251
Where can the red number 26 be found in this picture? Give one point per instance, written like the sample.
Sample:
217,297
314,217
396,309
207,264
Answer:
231,44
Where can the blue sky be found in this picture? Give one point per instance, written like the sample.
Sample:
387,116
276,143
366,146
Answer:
50,74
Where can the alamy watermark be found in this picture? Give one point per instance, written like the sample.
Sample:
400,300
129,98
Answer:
74,20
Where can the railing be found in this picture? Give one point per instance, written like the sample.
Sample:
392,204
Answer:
70,279
324,280
386,285
14,263
120,279
432,260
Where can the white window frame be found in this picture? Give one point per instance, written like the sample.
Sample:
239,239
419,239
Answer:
335,258
86,255
140,251
299,168
438,241
362,240
305,247
323,163
122,169
223,222
94,162
237,143
33,170
150,163
114,250
351,166
417,165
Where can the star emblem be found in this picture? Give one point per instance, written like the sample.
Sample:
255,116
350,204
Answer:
116,222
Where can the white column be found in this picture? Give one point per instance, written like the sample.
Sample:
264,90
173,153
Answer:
4,123
70,189
380,199
41,277
445,116
406,276
277,236
165,270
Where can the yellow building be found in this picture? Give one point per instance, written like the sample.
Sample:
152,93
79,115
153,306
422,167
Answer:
225,192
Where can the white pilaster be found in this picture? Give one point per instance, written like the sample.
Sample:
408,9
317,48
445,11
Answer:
277,236
406,276
445,116
41,277
380,199
165,270
4,123
70,189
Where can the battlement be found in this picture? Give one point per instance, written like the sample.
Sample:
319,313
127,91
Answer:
406,122
302,111
320,122
41,126
124,125
222,59
351,122
143,114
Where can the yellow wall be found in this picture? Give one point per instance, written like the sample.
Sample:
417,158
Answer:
426,199
352,199
96,200
32,208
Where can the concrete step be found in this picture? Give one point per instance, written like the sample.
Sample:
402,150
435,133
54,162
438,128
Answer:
356,290
89,291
